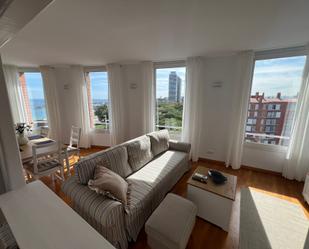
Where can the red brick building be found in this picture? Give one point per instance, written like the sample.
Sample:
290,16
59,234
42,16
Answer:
270,119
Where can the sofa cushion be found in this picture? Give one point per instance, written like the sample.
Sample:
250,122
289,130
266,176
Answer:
139,152
159,141
110,184
115,159
149,185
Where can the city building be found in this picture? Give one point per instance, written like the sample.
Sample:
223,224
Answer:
269,119
174,88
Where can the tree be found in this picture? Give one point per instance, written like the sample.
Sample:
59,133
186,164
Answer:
102,112
170,114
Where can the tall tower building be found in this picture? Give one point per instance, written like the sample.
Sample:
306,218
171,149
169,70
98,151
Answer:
174,87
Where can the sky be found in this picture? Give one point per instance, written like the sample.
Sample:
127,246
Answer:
162,76
34,85
99,85
270,76
278,75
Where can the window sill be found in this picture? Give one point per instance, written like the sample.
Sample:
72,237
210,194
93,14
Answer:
266,147
100,131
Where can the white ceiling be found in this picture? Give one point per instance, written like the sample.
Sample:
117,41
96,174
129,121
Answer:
96,32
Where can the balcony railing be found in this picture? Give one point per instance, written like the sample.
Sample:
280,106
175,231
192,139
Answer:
102,125
174,131
267,138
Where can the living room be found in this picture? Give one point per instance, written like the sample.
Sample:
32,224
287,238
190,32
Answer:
152,95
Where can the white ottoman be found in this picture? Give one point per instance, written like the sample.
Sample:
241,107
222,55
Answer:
170,225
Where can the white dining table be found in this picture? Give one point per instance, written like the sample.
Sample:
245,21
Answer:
26,153
39,219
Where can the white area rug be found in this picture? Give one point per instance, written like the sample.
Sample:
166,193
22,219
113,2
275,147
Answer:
269,222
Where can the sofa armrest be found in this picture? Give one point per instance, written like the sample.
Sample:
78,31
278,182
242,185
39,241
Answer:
179,146
102,213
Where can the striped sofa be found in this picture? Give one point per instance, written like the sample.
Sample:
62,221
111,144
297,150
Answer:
151,164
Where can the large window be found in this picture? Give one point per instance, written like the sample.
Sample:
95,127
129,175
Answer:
33,97
275,88
98,99
170,91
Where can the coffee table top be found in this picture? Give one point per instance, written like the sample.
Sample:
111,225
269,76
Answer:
227,190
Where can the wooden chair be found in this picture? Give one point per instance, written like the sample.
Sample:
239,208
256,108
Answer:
47,160
44,131
73,148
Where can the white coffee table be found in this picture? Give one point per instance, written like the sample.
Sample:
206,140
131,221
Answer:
214,202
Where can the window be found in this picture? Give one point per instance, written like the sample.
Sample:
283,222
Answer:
251,121
275,85
270,121
98,102
33,98
170,92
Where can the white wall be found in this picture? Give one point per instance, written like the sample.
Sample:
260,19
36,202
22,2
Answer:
64,87
133,104
215,120
267,157
216,106
134,101
12,175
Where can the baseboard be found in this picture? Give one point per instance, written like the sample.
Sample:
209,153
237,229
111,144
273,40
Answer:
261,170
216,162
99,147
221,163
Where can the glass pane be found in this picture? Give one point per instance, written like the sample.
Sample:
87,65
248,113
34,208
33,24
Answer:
99,98
170,92
275,88
35,91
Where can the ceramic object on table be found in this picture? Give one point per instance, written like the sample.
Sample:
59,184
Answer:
22,139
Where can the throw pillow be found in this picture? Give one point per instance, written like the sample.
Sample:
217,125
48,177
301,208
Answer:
110,184
159,141
139,152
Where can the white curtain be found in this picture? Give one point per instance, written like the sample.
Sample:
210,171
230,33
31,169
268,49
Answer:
193,104
117,108
239,114
148,97
52,102
79,88
15,94
297,161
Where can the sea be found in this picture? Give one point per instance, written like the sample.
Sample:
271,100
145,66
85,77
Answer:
38,109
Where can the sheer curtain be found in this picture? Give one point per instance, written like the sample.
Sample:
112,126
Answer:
240,109
193,104
117,109
15,94
52,102
79,87
148,97
297,161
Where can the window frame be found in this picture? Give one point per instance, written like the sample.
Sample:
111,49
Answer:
93,69
266,55
23,70
162,65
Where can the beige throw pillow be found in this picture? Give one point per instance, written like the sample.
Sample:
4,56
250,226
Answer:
159,141
110,184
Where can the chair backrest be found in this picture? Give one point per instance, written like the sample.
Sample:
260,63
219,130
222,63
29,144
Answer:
75,136
45,153
44,131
